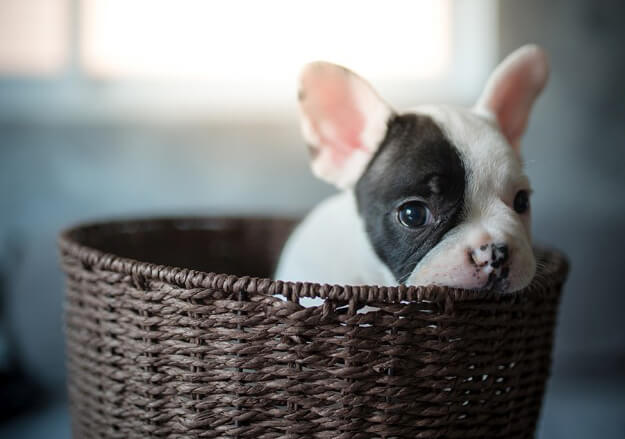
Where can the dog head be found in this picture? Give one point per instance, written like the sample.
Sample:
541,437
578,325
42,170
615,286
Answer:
441,190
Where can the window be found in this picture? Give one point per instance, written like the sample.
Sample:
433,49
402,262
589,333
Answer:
246,40
33,36
234,59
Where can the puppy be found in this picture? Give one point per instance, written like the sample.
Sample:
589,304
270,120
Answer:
433,195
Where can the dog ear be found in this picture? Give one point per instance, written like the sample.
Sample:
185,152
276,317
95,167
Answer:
512,89
343,121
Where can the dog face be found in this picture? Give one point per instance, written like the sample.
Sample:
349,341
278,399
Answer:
441,191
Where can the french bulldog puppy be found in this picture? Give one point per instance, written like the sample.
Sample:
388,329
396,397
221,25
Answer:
432,195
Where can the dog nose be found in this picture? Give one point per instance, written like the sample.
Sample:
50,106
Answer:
492,254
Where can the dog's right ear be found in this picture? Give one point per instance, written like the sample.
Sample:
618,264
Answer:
343,121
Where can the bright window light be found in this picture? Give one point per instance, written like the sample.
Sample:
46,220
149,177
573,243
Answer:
263,41
33,36
238,59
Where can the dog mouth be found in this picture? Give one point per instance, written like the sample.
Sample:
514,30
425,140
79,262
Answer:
498,279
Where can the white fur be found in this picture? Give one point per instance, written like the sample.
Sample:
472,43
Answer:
331,247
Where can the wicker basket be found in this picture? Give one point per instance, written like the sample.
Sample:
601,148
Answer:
159,351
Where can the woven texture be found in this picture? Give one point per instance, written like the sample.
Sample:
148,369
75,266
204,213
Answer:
159,351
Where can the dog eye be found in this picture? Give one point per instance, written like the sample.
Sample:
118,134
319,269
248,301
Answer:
522,201
414,214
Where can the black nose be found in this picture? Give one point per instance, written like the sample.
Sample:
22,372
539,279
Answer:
499,255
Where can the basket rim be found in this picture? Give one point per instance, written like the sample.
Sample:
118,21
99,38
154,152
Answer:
552,270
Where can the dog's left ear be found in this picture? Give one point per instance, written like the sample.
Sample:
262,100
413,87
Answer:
343,121
512,89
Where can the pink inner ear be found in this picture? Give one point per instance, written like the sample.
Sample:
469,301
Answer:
512,89
334,115
511,102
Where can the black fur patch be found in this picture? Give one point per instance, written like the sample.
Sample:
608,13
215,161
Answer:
414,161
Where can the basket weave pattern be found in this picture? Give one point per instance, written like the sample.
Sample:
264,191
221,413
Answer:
158,351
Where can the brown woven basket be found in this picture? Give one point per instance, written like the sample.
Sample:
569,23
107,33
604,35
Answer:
159,351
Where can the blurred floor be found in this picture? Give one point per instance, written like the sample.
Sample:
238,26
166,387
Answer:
49,422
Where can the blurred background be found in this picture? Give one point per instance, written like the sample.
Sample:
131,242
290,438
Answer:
118,108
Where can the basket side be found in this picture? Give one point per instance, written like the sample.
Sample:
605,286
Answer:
164,352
